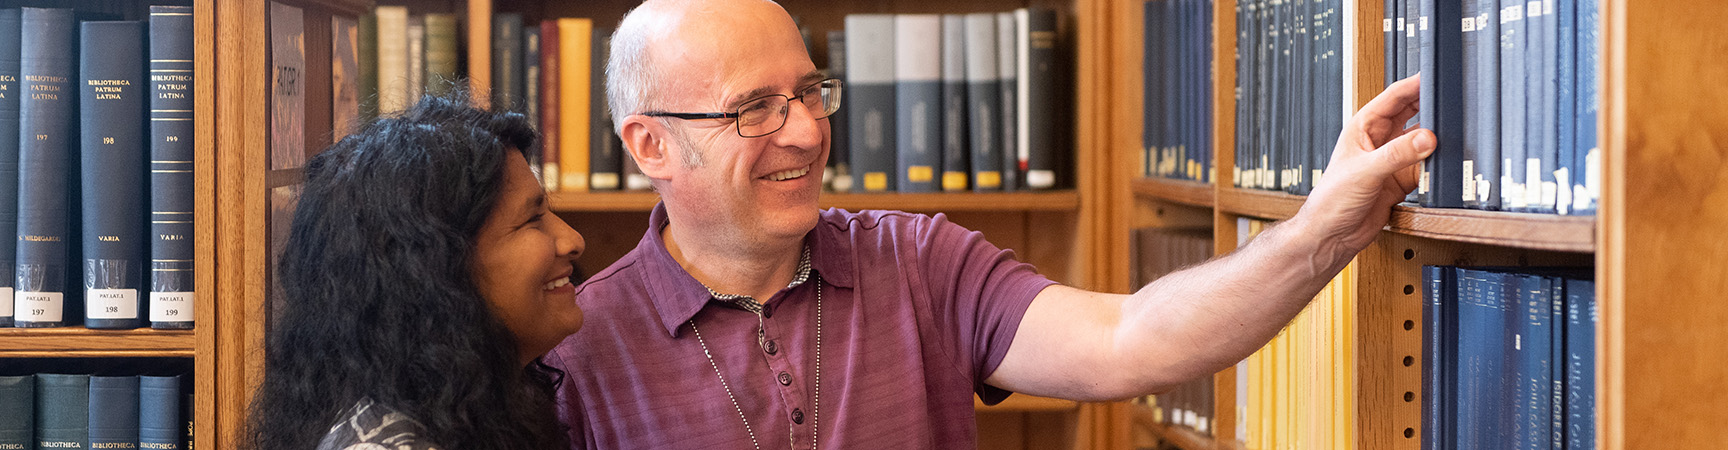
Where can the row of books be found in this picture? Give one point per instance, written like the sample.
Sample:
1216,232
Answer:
1177,135
1158,252
49,410
1289,92
1299,390
1509,358
1509,89
87,157
953,102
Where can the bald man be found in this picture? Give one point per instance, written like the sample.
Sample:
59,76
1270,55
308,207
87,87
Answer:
747,317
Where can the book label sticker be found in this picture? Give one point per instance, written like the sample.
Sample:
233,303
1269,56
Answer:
111,303
5,306
171,306
39,306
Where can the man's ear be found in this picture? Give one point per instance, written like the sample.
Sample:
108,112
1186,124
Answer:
651,150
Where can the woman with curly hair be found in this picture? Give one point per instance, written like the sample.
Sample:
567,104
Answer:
422,279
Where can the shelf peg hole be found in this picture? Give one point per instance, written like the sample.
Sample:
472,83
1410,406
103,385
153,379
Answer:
1409,254
1409,289
1409,361
1409,397
1409,433
1409,325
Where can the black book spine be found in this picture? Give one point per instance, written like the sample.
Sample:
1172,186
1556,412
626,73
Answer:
1008,62
111,107
62,410
18,412
171,178
10,36
1443,82
839,170
46,118
114,412
159,422
956,157
605,160
507,76
1436,277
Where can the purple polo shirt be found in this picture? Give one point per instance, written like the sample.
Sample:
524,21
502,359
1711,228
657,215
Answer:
916,313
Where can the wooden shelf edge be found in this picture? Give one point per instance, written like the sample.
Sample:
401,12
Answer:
1192,193
1065,200
1183,438
1027,403
1576,234
1258,203
84,342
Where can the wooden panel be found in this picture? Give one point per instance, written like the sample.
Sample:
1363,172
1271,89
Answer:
15,340
1389,326
1259,203
1520,230
205,366
1662,344
1179,191
243,127
479,55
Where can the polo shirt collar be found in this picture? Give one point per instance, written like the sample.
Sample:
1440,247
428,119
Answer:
677,296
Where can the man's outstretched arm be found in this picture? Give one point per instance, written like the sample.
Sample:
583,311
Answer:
1092,346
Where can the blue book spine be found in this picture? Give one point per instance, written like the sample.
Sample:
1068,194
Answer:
1581,364
956,155
62,410
918,98
1472,367
1008,84
984,97
171,179
1566,94
1242,50
1545,149
47,113
1443,83
1435,277
10,36
1481,165
111,106
114,412
18,412
1512,106
1586,186
1555,289
870,109
1387,20
1534,347
159,421
1148,96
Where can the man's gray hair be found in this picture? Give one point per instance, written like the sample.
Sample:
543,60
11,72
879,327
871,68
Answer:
630,75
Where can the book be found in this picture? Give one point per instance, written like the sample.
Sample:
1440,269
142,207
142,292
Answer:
1566,106
1480,168
1513,106
870,101
1008,73
917,101
443,54
10,35
114,412
1541,191
507,78
531,79
574,53
62,403
1587,157
1581,317
111,92
367,67
1533,345
171,282
606,161
984,97
344,73
46,120
159,421
17,403
1440,313
1442,43
550,78
416,58
1038,86
956,151
392,59
838,171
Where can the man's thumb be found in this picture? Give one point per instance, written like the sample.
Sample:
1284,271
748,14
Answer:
1406,150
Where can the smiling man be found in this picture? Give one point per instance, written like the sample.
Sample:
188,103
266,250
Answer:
748,318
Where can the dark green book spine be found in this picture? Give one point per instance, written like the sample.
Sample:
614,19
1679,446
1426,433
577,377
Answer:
18,412
9,45
47,113
111,113
62,411
507,79
114,412
605,156
368,44
171,179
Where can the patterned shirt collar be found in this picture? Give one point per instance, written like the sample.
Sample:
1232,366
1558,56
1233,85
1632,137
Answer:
753,305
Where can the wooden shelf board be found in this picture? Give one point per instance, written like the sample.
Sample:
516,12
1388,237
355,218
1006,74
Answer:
84,342
1186,192
1259,203
1182,437
1505,229
1027,403
932,202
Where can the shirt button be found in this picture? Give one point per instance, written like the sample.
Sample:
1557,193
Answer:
771,347
797,416
785,379
767,312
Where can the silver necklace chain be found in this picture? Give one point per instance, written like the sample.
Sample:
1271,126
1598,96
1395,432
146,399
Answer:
816,397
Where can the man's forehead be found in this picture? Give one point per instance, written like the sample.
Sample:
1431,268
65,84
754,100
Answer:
727,55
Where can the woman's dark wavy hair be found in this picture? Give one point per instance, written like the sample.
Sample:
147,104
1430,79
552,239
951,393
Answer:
378,298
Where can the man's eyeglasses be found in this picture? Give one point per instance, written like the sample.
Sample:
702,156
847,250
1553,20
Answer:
766,115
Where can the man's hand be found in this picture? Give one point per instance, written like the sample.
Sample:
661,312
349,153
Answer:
1373,168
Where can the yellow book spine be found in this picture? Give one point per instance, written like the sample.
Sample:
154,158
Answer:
574,39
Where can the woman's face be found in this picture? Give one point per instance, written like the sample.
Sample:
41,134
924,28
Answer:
523,259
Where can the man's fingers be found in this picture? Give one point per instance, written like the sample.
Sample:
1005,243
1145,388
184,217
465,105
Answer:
1404,151
1397,103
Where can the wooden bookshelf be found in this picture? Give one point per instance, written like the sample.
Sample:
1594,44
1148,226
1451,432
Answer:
1514,230
87,343
1270,205
1191,193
